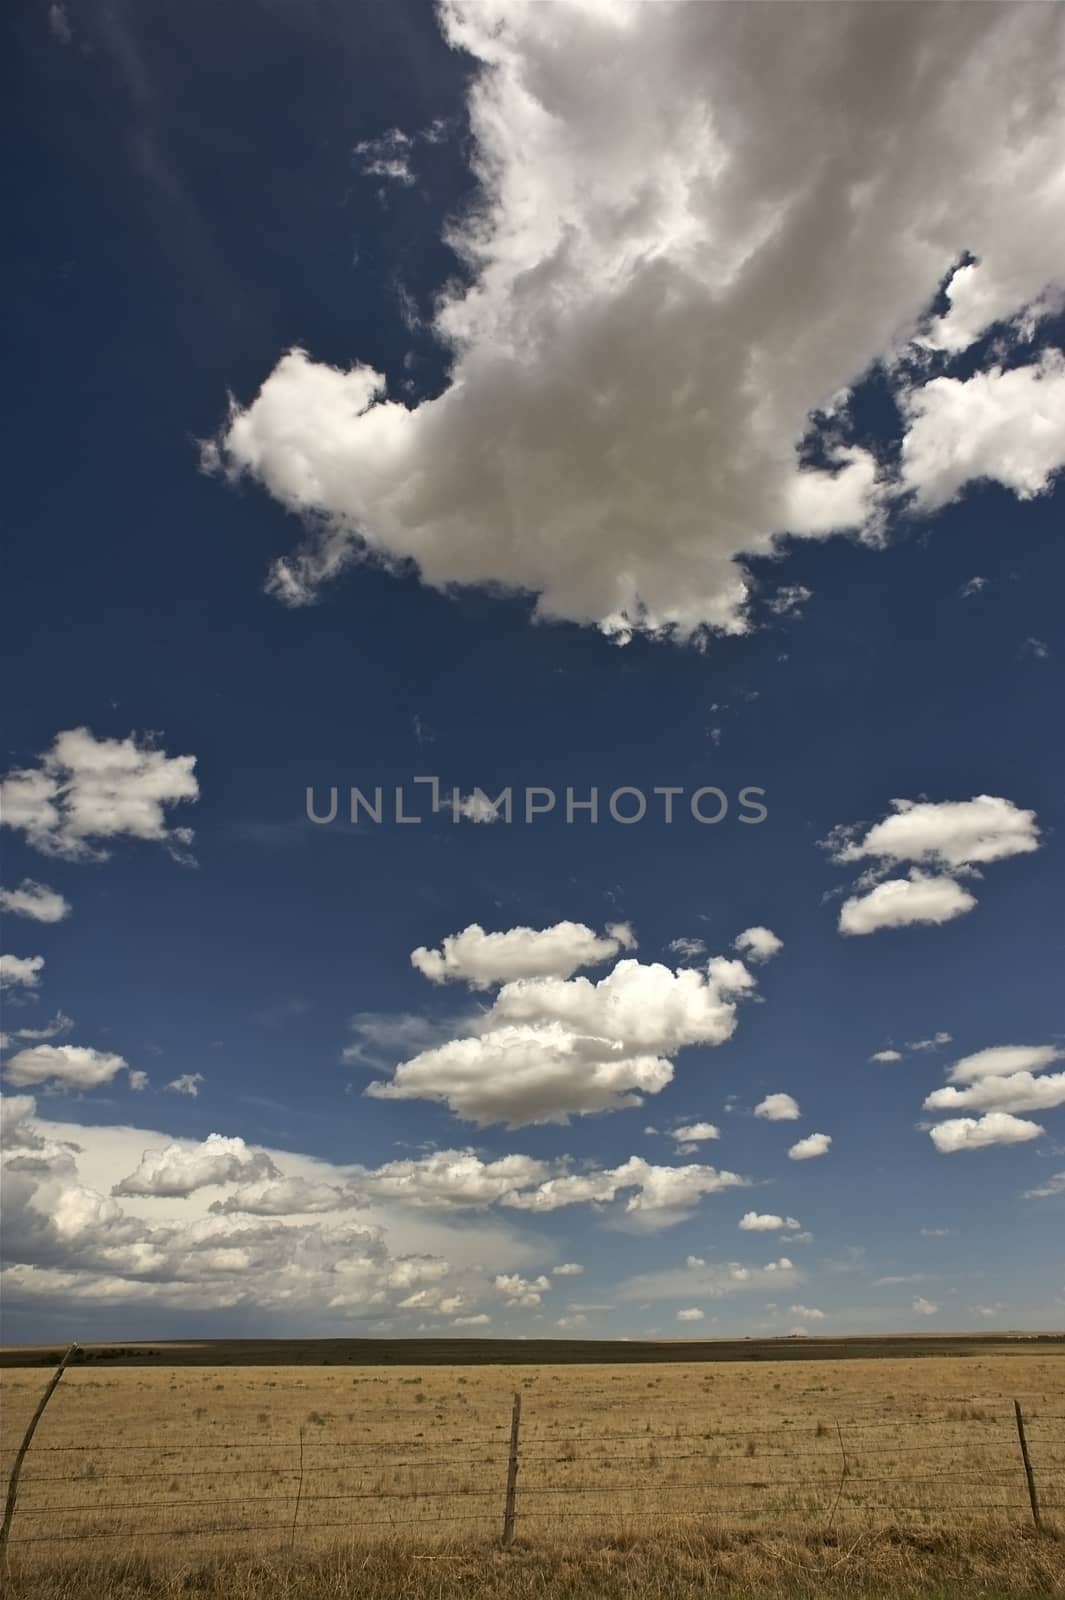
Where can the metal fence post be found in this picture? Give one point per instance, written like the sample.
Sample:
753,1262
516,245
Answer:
510,1509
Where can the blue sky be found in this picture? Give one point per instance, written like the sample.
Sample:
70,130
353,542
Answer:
651,494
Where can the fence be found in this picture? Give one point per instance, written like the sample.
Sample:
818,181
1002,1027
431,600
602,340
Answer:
529,1477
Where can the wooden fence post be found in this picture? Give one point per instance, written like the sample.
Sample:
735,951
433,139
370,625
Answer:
12,1482
299,1497
1028,1473
510,1510
843,1474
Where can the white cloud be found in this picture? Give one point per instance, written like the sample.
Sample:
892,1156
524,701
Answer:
550,1048
789,599
759,943
188,1083
765,1222
815,1144
1005,1078
575,1319
522,1292
526,1075
20,972
688,949
483,960
450,1180
954,838
387,156
267,1197
180,1170
478,807
55,1029
67,1241
480,1320
1021,1091
946,834
1005,426
24,1148
637,1007
36,901
568,1269
1053,1186
68,1066
778,1108
660,1196
926,1308
1003,1060
589,449
972,586
693,1133
887,1055
975,1133
936,1042
691,1314
905,902
85,790
807,1313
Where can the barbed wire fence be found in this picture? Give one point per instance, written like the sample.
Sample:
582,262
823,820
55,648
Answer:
984,1460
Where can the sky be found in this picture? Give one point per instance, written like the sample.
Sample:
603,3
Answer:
532,791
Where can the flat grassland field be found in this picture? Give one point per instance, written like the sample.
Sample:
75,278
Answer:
161,1456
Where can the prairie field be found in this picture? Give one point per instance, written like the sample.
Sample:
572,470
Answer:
685,1477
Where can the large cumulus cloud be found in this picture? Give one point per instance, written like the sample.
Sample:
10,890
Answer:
697,227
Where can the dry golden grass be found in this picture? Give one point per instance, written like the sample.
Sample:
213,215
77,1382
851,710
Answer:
676,1479
972,1566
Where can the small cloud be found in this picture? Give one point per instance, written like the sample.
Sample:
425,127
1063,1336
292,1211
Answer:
692,1133
778,1108
188,1083
977,1133
1035,649
691,1314
36,901
20,972
59,24
568,1269
765,1222
923,1307
759,943
688,949
1054,1185
815,1144
972,586
387,156
887,1055
55,1029
937,1233
476,807
789,600
934,1043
